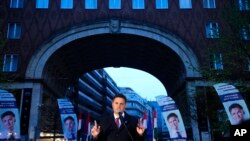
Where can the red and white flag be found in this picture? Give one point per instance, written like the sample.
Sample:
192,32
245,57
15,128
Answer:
88,126
144,120
80,121
155,134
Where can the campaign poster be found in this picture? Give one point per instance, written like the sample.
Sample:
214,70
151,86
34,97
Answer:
233,103
68,119
10,118
172,117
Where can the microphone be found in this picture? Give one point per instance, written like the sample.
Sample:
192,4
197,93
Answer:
121,117
124,123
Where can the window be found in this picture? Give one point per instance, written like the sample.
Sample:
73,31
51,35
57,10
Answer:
248,64
222,115
14,31
66,4
138,4
217,63
185,4
10,63
114,4
161,4
16,3
209,4
90,4
245,33
212,30
42,4
244,4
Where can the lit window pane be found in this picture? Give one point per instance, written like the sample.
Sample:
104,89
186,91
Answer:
10,63
217,62
138,4
245,33
185,4
114,4
90,4
42,4
244,4
248,64
66,4
14,31
161,4
212,30
16,3
209,4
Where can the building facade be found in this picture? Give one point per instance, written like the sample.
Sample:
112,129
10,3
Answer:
136,105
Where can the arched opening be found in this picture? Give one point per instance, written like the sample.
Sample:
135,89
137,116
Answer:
158,53
143,83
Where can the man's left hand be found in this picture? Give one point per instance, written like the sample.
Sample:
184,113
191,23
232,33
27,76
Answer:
140,128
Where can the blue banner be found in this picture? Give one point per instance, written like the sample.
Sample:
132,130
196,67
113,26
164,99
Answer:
10,119
233,103
172,117
68,119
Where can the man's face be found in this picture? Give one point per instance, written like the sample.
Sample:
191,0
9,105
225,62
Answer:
173,122
118,105
237,114
8,122
69,124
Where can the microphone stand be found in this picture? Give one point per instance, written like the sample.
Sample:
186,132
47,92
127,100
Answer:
122,122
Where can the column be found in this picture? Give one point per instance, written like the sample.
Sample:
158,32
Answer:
191,91
36,103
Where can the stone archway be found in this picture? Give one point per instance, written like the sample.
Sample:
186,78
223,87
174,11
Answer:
37,63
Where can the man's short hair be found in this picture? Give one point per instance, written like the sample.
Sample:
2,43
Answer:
68,118
235,105
120,95
7,113
172,115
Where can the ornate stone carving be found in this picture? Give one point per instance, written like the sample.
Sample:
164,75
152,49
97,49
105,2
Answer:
114,26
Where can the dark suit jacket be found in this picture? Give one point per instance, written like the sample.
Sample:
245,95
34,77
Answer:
109,131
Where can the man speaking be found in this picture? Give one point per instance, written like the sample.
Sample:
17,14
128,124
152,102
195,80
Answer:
119,126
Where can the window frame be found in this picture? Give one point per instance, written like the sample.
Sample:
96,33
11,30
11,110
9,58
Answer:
93,5
136,4
212,30
217,61
161,6
11,66
18,4
117,4
245,33
14,32
185,4
67,5
42,4
244,5
209,4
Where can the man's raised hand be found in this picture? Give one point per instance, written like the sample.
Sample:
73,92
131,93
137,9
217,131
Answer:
95,130
140,128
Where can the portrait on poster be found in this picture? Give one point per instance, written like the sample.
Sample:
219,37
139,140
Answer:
69,123
10,124
237,111
175,124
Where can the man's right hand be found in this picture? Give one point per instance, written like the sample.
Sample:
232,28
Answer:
95,130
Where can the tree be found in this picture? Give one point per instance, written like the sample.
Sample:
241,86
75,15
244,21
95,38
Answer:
235,49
